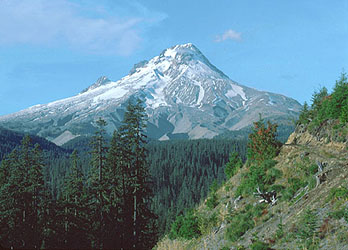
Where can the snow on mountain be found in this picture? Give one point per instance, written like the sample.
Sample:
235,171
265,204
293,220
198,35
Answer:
185,96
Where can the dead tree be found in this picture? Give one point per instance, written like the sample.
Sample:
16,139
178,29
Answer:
320,176
267,197
236,200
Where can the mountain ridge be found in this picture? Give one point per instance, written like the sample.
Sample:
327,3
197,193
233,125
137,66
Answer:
184,95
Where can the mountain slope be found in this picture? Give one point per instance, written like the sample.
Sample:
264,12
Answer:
185,96
311,211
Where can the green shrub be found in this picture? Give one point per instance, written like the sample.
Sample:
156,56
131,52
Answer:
345,215
272,175
294,185
212,201
243,221
258,176
312,169
185,226
312,182
225,248
206,223
338,193
234,163
259,245
214,186
238,227
338,214
278,188
307,229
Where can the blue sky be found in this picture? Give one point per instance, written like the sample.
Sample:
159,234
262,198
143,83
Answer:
52,49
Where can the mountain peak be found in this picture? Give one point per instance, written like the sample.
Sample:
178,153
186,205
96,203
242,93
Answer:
103,80
182,50
185,95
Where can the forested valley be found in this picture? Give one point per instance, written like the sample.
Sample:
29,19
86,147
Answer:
101,192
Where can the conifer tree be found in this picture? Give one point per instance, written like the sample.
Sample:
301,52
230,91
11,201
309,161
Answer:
262,144
74,208
234,163
137,218
22,198
97,185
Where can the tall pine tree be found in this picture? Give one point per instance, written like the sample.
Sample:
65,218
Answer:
98,186
128,149
23,198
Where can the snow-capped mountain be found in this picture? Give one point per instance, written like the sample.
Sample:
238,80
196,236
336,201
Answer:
185,96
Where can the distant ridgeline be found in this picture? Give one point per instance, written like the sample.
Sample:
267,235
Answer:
9,140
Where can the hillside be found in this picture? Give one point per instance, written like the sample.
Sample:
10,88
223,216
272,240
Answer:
297,200
10,139
328,201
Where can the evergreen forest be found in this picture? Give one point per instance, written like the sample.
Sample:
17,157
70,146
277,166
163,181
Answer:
102,192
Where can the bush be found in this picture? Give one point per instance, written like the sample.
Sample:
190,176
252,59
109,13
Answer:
243,221
186,227
212,201
307,230
238,227
338,193
258,176
206,223
259,245
234,163
295,185
338,214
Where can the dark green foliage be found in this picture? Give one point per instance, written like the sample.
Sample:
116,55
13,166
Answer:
243,221
73,207
234,163
327,106
212,201
262,176
345,215
9,140
338,193
109,209
339,101
185,226
133,185
280,231
97,185
304,117
307,229
23,198
183,172
259,245
312,169
338,214
294,185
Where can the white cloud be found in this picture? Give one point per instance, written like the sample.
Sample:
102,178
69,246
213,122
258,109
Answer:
229,35
93,29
